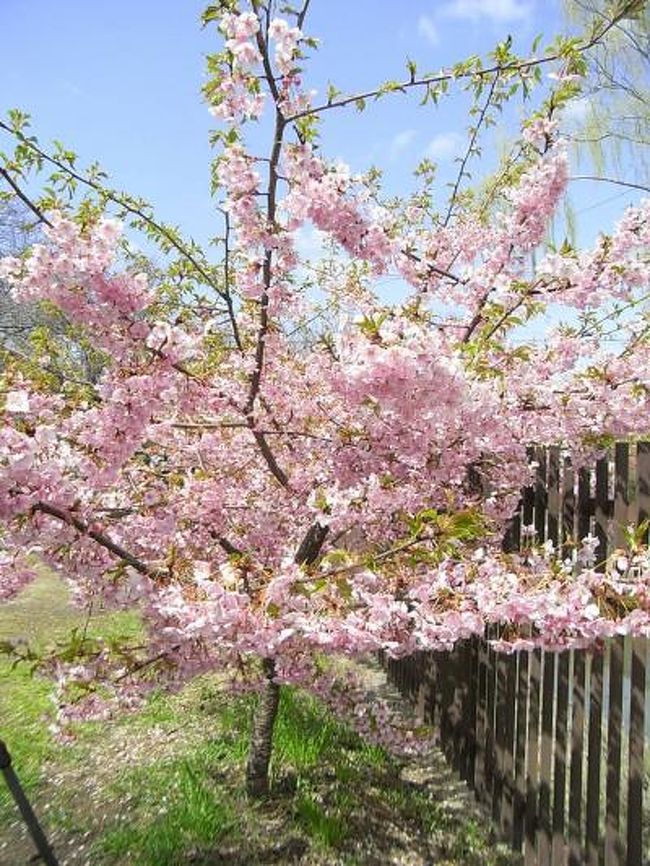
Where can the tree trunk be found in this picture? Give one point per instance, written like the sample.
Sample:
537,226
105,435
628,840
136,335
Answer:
261,744
259,753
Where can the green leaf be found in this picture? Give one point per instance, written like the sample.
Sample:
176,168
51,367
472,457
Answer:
332,92
412,68
344,587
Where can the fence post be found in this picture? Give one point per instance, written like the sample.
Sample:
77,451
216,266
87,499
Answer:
42,845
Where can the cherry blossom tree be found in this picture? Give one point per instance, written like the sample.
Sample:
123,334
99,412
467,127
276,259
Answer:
271,497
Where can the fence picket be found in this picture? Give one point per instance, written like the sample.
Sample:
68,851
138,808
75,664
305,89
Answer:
546,761
643,483
499,736
520,751
532,780
621,491
506,768
541,495
568,509
602,511
559,770
481,722
592,813
470,715
585,506
636,747
613,855
553,496
489,731
577,752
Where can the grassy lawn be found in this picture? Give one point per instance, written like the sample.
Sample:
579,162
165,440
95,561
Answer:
164,787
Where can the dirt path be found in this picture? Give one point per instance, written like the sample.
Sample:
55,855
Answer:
458,814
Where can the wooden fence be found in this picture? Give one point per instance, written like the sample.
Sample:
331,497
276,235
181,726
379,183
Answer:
553,743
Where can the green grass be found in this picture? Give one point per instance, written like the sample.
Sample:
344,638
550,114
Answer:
164,787
41,616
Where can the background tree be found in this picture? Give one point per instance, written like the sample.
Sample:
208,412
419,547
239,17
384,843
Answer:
613,128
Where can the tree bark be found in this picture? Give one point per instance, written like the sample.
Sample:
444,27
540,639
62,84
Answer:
261,744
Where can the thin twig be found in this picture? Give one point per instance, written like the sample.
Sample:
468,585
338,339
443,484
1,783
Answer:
468,152
24,198
613,180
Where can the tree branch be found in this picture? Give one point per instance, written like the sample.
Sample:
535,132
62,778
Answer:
498,69
612,180
468,152
123,202
66,516
21,195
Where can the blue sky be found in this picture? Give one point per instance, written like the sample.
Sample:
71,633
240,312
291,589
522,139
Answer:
119,82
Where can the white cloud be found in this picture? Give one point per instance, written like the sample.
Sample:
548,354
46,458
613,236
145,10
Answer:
400,143
445,146
577,110
310,242
428,29
494,10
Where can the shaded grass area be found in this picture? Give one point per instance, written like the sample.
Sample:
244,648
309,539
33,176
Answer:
164,787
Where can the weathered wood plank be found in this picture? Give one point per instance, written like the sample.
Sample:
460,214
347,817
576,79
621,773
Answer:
643,483
553,496
489,737
546,761
613,852
602,511
568,509
507,757
577,745
592,809
636,748
559,770
541,495
481,722
500,746
621,491
512,534
520,751
532,759
470,715
585,508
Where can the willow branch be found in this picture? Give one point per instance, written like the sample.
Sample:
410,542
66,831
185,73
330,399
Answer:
611,180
